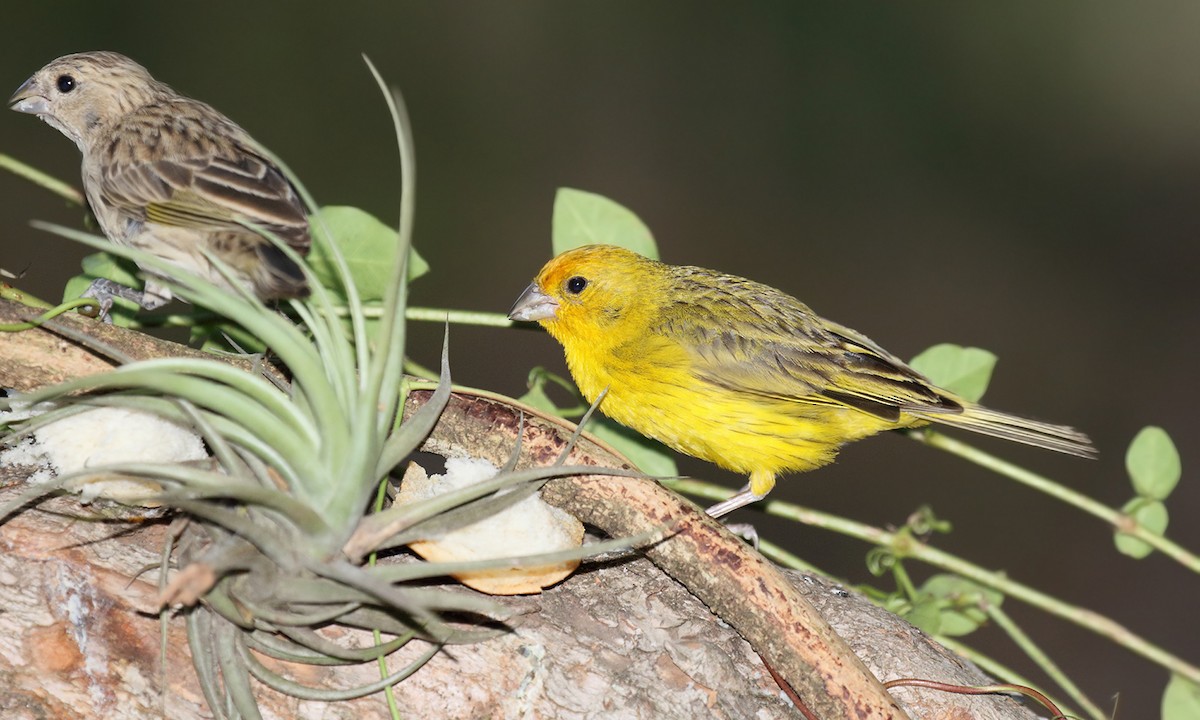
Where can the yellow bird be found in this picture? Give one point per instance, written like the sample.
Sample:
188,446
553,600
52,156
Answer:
736,372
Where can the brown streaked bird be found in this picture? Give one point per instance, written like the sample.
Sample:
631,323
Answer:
172,176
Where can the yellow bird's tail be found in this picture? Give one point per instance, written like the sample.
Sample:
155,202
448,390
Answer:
977,418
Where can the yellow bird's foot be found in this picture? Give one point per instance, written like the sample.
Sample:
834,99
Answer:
745,531
742,499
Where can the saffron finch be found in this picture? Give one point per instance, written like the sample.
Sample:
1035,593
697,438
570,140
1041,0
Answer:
171,176
738,373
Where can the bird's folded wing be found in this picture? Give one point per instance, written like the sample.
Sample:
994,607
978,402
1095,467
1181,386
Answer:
210,193
820,364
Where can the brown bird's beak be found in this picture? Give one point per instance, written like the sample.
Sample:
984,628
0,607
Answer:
27,100
533,305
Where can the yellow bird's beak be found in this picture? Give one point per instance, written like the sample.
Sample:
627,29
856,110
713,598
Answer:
533,305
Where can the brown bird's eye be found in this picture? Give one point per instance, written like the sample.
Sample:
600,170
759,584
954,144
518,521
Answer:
66,83
576,284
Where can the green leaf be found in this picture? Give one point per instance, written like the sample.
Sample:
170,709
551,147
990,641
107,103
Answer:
961,602
650,456
1153,463
109,266
1181,701
1150,514
957,623
926,614
538,399
584,218
106,265
961,370
367,246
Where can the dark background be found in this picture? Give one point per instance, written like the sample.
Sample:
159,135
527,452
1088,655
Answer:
1017,176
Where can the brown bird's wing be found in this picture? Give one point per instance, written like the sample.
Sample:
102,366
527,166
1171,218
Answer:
210,192
179,162
753,339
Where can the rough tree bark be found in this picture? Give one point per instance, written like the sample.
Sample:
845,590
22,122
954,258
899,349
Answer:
619,639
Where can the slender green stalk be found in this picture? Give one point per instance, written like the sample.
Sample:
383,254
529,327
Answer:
1048,666
903,581
40,319
785,558
462,317
907,546
37,177
412,367
8,292
1120,521
253,387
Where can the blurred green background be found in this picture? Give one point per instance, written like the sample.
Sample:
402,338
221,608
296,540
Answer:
1018,176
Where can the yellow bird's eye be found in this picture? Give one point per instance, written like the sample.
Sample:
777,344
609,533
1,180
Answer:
576,284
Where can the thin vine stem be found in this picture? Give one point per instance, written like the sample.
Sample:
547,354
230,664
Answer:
37,177
1044,661
1117,519
909,547
462,317
8,292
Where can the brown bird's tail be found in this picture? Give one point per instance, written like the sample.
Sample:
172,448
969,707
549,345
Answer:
279,277
977,418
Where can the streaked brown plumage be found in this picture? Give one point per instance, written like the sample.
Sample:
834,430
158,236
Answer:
171,175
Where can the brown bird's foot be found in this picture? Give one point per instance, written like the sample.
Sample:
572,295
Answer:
103,291
742,499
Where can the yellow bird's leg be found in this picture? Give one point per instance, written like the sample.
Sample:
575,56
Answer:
761,483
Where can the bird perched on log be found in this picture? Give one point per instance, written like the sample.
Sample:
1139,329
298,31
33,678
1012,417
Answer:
171,176
738,373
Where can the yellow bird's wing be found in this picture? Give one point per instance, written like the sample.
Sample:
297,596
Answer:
753,339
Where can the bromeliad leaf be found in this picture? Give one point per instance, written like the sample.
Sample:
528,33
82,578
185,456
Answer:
584,218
